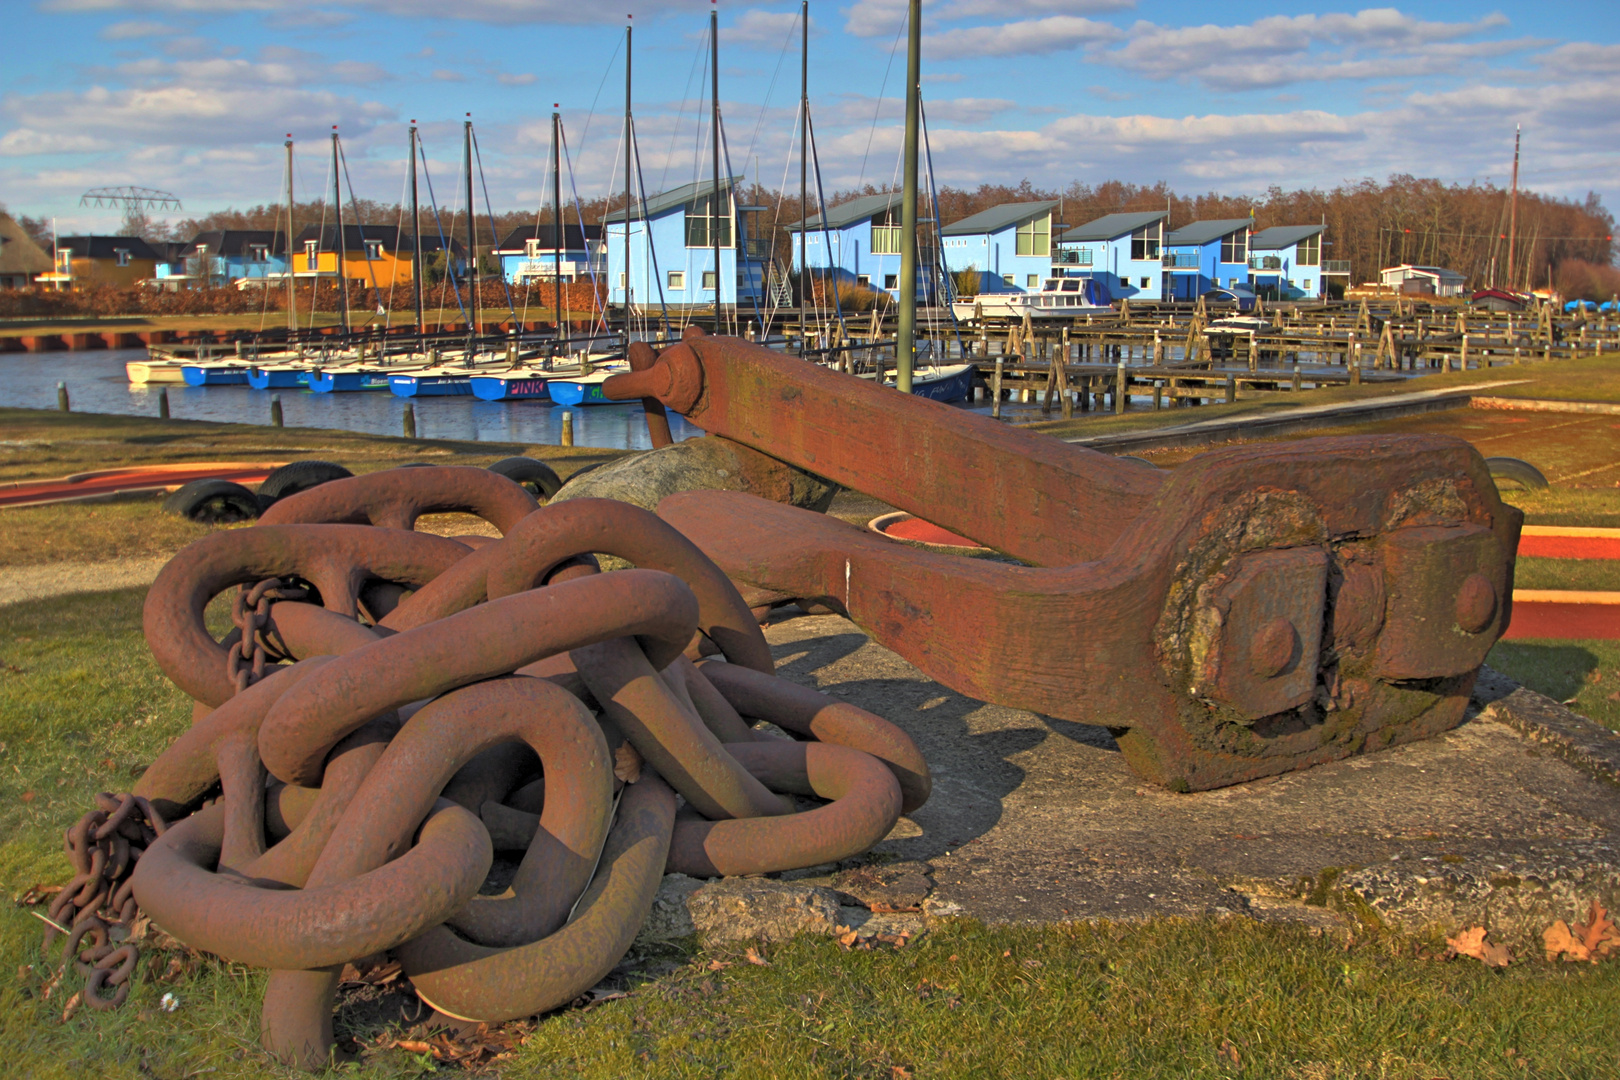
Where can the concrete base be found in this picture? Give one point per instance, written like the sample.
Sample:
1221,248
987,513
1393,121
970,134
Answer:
1040,820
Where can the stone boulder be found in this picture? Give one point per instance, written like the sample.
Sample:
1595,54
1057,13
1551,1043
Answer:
706,464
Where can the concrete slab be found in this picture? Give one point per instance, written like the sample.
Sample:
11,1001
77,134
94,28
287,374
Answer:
1035,819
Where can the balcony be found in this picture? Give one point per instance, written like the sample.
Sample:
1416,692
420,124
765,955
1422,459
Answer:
756,249
1181,260
1072,257
1265,262
1336,266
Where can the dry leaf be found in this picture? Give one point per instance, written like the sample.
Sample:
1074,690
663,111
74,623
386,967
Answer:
626,763
1560,942
1472,943
718,965
72,1007
1230,1052
1598,933
899,1072
848,938
753,957
414,1046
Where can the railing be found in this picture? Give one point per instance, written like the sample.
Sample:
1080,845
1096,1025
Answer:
1336,266
1072,257
1181,260
1265,262
757,249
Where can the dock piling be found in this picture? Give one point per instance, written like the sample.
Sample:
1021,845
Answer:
275,411
410,420
62,397
567,429
995,390
163,403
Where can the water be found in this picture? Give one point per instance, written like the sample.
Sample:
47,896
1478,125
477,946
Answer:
96,384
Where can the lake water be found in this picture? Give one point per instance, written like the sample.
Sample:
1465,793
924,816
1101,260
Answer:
96,384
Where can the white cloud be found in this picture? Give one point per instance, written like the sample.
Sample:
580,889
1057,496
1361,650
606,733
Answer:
961,9
1057,33
768,28
490,11
1582,57
131,29
527,78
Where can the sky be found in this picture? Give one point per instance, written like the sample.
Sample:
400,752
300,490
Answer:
195,97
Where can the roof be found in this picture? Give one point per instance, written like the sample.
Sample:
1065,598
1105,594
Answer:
393,239
107,247
997,218
170,250
1109,226
1281,236
846,214
237,241
18,252
1207,232
1436,271
572,238
673,199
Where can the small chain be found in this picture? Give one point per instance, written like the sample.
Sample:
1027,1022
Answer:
245,661
97,908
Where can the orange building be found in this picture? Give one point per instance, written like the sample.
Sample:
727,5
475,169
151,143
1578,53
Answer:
372,255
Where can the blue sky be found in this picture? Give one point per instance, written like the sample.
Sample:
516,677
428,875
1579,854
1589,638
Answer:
194,96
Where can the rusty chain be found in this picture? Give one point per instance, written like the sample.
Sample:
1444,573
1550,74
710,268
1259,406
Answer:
250,611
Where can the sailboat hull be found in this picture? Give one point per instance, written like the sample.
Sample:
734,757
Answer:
200,375
277,378
408,386
503,388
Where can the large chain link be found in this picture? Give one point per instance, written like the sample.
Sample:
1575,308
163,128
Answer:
97,908
245,662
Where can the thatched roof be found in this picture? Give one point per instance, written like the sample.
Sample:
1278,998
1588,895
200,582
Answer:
18,252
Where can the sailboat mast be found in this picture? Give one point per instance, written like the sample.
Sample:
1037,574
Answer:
714,131
557,226
473,277
905,344
629,40
1513,215
292,292
342,241
804,161
416,242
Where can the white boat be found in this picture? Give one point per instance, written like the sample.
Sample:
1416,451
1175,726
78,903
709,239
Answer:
1059,298
153,370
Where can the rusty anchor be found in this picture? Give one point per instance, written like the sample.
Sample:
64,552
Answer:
1258,609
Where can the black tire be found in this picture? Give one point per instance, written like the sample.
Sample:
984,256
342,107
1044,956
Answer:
1138,460
213,502
539,478
1522,473
296,476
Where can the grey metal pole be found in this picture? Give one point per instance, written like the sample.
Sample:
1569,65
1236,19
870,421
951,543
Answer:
557,228
714,132
416,245
629,40
292,294
342,242
905,346
804,158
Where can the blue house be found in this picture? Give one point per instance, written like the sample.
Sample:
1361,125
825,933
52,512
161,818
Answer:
1206,255
859,239
223,256
1013,241
1120,250
1286,262
528,254
672,250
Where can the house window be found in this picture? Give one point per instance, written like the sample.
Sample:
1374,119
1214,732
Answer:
891,281
374,250
312,254
701,223
258,253
1309,251
1031,280
1035,237
1009,278
885,239
1235,247
1145,242
676,280
864,280
1144,282
123,256
708,280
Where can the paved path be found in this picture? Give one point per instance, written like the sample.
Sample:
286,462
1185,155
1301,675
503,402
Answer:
22,583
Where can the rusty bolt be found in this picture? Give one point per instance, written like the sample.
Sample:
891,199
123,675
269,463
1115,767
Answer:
1273,648
1476,603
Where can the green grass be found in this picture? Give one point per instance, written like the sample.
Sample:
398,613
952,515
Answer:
1593,575
1583,674
82,708
1570,507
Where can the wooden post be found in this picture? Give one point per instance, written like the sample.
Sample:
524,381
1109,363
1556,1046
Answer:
1464,347
1296,375
275,411
163,403
410,420
1121,381
62,397
995,389
1063,379
567,438
1231,388
1158,395
1254,355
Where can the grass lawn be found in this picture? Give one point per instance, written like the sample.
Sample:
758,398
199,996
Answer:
82,708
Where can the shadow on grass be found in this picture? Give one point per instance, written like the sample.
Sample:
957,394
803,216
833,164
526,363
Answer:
1559,671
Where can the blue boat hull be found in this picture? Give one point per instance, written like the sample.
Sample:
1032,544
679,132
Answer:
343,382
196,375
501,388
954,388
266,379
430,386
564,392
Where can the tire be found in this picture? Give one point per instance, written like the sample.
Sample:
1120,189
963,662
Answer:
1522,473
1138,460
539,478
213,502
296,476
